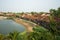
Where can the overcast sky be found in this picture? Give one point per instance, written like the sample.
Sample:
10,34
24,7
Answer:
28,5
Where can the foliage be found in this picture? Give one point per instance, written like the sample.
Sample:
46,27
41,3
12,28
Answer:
54,24
55,13
40,33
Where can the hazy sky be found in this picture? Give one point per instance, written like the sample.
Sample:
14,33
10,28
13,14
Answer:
28,5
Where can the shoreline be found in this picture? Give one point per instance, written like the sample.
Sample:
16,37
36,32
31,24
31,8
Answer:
27,25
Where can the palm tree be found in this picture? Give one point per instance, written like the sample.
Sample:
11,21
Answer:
13,36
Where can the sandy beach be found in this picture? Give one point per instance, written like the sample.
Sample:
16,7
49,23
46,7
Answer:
27,25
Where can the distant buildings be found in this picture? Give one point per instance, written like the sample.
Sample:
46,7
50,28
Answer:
44,16
29,16
7,14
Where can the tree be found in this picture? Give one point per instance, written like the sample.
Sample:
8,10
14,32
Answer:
58,12
55,13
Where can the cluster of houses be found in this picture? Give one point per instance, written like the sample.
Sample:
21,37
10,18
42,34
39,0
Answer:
9,14
29,16
40,19
44,17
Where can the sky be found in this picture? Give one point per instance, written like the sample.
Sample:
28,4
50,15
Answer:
28,5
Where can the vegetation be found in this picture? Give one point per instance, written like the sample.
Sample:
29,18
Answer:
39,33
55,13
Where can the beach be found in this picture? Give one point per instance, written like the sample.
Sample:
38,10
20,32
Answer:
27,25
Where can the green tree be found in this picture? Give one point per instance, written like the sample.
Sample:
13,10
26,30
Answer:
55,13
